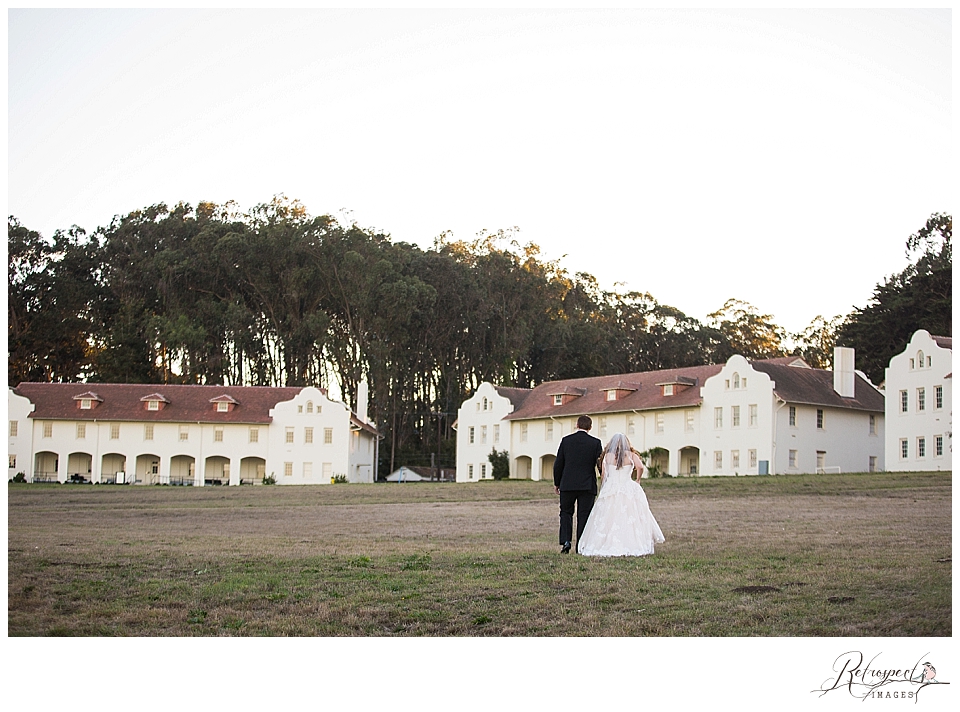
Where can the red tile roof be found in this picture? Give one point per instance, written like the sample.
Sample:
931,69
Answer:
184,404
944,342
812,386
515,395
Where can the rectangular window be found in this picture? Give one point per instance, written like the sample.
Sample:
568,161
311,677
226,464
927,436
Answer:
523,432
904,401
496,434
921,399
793,416
718,417
668,389
148,431
548,431
308,436
558,400
471,435
821,459
793,459
288,469
328,436
223,407
921,447
153,405
470,471
218,434
115,431
254,435
611,395
86,403
735,416
184,433
483,470
48,430
631,427
819,418
735,459
912,362
12,462
483,434
904,449
938,397
689,416
81,431
753,458
603,427
717,460
310,408
938,445
14,427
872,464
659,422
753,415
288,435
307,470
873,425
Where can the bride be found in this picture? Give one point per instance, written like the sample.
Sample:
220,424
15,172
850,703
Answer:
621,523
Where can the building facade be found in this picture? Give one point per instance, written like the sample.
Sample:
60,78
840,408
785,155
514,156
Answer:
185,435
481,428
744,417
919,409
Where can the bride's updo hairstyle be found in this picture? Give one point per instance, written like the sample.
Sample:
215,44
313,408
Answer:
620,447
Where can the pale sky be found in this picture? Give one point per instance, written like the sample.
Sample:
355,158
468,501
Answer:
781,157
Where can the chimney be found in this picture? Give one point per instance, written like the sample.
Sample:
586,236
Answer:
363,397
844,376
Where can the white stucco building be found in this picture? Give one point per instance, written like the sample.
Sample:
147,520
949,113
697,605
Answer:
182,434
919,409
744,417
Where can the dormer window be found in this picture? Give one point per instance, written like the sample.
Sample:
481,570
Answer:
88,400
668,389
86,403
558,399
611,395
154,401
153,405
223,404
223,407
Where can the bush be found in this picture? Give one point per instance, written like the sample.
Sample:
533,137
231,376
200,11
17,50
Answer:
500,464
19,477
270,479
653,470
339,479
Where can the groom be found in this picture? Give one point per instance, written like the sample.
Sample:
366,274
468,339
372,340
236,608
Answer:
575,479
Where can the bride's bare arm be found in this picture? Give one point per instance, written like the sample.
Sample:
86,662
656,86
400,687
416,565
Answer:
638,465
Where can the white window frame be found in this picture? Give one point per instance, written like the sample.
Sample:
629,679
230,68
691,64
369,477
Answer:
114,431
558,400
471,435
754,415
793,459
81,431
904,449
921,399
218,434
288,436
223,407
328,436
308,435
254,435
734,416
921,447
904,401
792,416
819,418
717,418
14,428
148,431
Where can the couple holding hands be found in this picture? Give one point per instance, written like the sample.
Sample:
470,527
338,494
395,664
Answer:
618,521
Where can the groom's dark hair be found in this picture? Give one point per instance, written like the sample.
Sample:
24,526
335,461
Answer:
584,422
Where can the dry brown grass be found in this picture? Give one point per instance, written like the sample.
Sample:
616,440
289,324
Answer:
816,555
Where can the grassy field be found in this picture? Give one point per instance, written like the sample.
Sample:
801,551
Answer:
824,555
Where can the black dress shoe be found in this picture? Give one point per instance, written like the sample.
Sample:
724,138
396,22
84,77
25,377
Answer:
565,549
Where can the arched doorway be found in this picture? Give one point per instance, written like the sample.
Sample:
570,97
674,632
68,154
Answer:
689,461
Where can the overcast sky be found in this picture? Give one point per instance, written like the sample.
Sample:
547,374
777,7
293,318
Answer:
780,157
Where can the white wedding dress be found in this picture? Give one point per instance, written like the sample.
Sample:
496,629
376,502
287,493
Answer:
620,523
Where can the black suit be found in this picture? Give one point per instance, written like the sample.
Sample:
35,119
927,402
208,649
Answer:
575,475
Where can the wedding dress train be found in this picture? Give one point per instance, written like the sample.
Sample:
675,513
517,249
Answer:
621,523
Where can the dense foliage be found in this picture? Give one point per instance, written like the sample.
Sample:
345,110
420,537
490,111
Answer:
274,296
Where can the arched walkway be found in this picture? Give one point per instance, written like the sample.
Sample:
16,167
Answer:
45,467
546,467
111,464
252,470
181,470
689,461
524,466
148,469
79,467
216,471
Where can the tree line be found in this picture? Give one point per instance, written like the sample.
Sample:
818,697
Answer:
274,296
